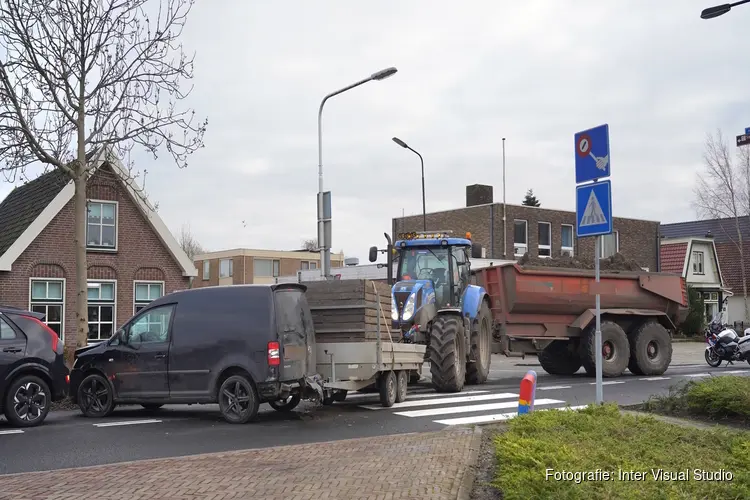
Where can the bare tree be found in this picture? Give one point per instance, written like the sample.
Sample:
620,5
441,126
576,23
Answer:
85,76
310,245
188,243
723,192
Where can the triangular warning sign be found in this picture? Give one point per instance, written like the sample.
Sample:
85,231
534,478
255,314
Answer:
593,215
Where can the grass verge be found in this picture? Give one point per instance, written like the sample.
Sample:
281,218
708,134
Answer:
601,438
715,398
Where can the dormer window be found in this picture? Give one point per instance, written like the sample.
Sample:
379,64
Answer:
101,227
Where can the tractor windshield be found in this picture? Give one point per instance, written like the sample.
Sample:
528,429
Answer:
427,263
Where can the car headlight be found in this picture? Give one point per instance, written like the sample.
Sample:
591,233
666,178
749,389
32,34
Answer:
394,309
409,308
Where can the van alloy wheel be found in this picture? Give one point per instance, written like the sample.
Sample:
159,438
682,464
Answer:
95,398
238,401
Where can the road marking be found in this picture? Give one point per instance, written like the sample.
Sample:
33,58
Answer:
737,371
414,396
609,382
129,422
499,417
472,408
554,387
12,431
449,400
650,379
692,375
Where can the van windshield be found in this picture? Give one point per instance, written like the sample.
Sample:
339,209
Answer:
292,312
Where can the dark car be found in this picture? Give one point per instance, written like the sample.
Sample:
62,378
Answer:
239,345
32,367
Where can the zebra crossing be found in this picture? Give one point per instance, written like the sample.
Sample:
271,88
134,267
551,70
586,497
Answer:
463,408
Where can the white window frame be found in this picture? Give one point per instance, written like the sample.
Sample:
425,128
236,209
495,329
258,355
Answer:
571,249
539,246
617,244
144,303
275,267
117,226
231,268
206,269
308,265
99,303
525,245
48,303
701,261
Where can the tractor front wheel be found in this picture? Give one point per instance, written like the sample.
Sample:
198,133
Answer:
447,354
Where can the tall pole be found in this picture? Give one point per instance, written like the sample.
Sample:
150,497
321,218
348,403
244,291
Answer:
505,229
598,335
323,244
421,161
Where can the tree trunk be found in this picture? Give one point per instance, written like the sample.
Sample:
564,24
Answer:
81,214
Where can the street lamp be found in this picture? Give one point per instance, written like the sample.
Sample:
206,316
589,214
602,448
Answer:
323,242
720,10
424,211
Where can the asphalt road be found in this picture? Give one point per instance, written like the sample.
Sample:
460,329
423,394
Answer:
69,440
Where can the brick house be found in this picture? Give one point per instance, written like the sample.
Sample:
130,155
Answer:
723,232
541,232
132,256
242,266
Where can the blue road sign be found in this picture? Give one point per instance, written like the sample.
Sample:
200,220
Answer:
594,209
747,130
592,154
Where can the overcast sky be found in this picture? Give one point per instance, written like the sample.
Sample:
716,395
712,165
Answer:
469,73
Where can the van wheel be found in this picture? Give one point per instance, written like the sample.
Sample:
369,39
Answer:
287,404
27,401
151,406
388,389
402,381
95,397
238,401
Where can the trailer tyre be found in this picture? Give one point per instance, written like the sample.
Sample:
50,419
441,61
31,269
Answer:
615,350
447,354
481,347
650,349
287,404
558,359
402,381
388,389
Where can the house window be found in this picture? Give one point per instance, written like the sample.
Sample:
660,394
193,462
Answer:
101,295
307,265
226,268
545,239
48,297
145,292
520,237
206,269
697,262
101,225
266,268
566,238
610,244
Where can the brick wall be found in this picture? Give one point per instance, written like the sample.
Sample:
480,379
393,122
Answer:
242,271
140,255
638,238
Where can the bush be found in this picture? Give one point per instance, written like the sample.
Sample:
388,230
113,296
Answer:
695,321
724,397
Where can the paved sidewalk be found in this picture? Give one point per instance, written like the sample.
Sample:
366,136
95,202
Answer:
434,465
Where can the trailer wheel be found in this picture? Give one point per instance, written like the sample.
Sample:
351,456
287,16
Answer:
481,347
388,389
447,354
558,359
402,380
615,350
650,349
287,404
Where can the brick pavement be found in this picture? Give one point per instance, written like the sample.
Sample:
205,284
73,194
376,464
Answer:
434,465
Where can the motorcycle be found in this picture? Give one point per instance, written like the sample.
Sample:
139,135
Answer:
725,345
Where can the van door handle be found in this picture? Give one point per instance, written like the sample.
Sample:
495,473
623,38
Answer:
161,355
12,349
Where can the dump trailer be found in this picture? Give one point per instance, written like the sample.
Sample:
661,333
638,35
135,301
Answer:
551,312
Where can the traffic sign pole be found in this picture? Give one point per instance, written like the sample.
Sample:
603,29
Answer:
598,334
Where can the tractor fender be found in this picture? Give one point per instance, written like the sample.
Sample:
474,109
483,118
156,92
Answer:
472,301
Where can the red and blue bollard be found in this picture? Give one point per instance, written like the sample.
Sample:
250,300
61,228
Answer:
527,393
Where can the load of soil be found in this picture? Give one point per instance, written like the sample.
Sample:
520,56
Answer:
617,262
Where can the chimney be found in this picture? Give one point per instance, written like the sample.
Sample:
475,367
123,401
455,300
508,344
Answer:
478,194
709,234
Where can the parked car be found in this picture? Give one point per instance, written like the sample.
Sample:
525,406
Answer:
32,367
238,346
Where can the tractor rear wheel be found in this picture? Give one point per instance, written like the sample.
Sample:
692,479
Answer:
447,354
558,359
478,370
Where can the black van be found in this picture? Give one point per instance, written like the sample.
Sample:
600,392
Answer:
238,346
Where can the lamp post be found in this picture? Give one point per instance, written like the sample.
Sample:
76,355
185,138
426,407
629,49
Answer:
720,10
323,242
424,210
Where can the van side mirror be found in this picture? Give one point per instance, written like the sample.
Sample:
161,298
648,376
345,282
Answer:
373,254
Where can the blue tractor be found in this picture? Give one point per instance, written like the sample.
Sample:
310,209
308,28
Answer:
433,302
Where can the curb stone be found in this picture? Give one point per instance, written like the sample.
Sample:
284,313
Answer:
467,480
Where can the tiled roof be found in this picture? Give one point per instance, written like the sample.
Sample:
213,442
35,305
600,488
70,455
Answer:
672,257
731,265
722,230
24,204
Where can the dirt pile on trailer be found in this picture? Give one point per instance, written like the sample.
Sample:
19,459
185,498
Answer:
617,262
